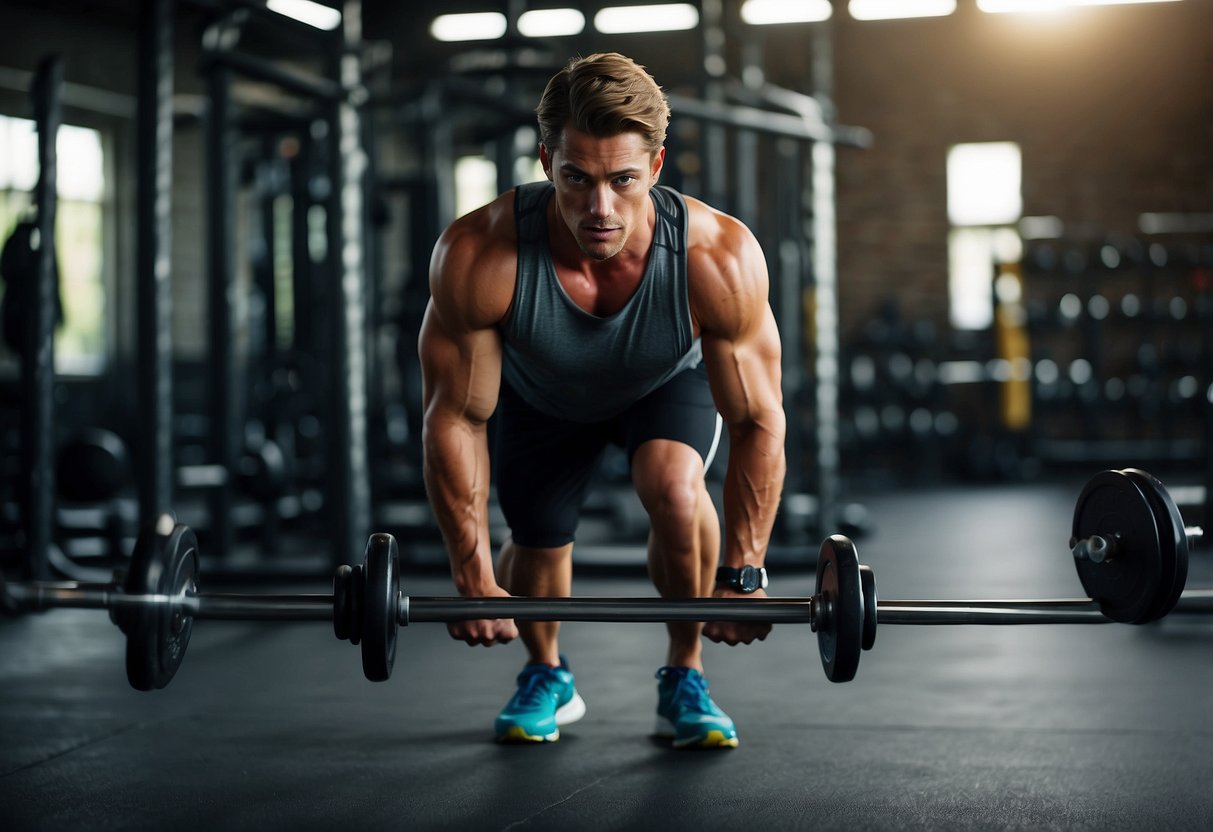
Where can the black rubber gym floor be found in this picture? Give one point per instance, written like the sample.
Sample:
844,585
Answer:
274,727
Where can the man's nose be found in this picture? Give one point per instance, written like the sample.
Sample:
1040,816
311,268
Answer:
601,199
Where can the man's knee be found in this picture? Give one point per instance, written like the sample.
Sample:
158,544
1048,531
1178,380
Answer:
669,479
676,504
677,509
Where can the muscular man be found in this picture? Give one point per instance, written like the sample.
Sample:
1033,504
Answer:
599,308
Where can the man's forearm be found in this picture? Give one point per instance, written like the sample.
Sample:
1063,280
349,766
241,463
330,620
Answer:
752,488
456,471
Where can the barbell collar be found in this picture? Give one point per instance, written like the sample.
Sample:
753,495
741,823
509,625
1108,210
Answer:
1096,548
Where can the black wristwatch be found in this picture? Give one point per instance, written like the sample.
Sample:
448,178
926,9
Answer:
747,579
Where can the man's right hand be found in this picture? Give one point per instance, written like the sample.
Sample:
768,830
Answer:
485,631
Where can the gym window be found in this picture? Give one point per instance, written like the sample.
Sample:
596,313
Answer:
80,341
475,183
984,206
476,180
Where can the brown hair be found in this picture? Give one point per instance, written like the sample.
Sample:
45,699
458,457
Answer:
603,95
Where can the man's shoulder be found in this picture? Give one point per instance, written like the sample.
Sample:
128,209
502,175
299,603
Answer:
713,233
489,226
726,269
485,239
476,258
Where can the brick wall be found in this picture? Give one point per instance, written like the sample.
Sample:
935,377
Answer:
1112,107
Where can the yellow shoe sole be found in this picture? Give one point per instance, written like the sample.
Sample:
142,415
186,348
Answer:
714,739
518,734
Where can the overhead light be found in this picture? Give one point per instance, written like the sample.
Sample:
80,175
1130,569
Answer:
450,28
306,11
895,9
1017,6
551,23
669,17
769,12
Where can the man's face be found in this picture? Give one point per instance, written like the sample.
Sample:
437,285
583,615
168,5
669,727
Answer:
602,187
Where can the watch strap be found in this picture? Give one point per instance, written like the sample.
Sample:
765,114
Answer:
732,577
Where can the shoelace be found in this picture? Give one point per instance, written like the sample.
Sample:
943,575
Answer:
534,689
693,689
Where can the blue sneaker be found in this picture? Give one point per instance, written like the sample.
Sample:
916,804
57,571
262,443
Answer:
545,700
687,714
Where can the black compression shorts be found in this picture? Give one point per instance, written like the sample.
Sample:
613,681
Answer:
544,465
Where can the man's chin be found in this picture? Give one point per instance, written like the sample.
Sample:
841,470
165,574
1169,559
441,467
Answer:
600,251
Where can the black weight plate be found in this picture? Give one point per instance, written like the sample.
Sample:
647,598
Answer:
1172,540
354,617
342,626
380,602
1127,584
1167,560
867,582
163,565
839,587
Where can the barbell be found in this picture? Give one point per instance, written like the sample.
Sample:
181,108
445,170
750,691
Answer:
1128,542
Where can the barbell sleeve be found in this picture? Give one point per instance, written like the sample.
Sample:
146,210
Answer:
1195,602
894,612
1079,604
44,595
221,607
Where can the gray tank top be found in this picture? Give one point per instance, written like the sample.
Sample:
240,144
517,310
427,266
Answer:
573,365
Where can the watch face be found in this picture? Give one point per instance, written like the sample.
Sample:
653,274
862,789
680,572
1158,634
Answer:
750,579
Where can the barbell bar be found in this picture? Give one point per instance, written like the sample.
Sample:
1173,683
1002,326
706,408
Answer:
317,607
1132,551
